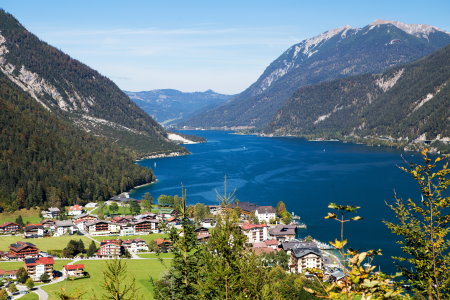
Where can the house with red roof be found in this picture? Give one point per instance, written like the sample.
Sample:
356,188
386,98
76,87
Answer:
9,228
110,248
254,232
76,270
75,210
8,274
135,245
36,267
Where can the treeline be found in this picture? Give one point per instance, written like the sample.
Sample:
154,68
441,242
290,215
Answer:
45,161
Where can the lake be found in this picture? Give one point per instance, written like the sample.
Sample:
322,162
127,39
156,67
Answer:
305,175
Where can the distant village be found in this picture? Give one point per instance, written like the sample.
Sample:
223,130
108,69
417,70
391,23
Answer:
260,224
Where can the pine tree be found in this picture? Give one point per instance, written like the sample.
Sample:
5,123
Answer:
92,249
181,280
115,282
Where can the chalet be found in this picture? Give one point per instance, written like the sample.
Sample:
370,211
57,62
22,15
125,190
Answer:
162,243
127,229
215,209
207,223
289,245
8,274
246,207
146,226
76,270
36,267
265,214
101,227
283,232
168,212
51,213
202,234
254,232
271,244
48,224
34,231
9,228
85,218
135,245
75,210
123,220
22,250
65,227
110,248
82,220
305,257
147,216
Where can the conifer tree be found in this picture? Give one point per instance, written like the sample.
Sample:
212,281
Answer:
181,279
116,283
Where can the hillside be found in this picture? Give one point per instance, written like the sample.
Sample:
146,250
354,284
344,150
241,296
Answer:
76,93
402,106
170,107
46,161
335,54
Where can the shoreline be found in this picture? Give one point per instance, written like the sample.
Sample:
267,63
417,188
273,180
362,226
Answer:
163,155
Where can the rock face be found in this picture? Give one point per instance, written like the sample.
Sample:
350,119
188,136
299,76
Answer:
334,54
403,105
170,107
75,92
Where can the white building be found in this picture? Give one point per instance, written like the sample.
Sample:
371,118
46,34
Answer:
305,258
135,245
65,227
255,232
265,214
75,210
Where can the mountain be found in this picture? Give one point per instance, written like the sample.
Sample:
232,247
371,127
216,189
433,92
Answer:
45,160
169,106
76,93
405,105
334,54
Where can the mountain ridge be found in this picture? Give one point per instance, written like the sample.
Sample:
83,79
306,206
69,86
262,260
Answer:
170,106
336,53
75,92
404,106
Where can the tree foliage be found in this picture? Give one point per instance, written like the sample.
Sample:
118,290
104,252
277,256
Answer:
423,226
116,284
45,160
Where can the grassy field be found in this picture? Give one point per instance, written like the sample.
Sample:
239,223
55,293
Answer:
43,244
147,238
14,265
140,269
11,265
154,255
30,296
28,215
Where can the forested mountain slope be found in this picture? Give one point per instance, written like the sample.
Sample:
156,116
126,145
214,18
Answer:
75,92
403,105
170,107
337,53
47,161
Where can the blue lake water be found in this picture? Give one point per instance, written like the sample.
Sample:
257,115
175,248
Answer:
305,175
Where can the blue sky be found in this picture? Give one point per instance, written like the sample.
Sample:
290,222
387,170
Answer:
200,45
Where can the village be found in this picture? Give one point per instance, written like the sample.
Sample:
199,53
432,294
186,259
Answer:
126,236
